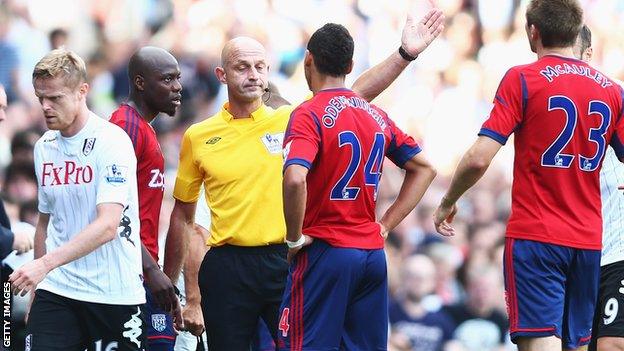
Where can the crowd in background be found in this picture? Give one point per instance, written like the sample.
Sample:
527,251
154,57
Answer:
443,291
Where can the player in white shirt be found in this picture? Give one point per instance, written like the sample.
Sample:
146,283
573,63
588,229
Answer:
87,267
608,328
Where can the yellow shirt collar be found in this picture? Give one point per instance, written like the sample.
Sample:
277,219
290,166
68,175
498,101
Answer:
257,115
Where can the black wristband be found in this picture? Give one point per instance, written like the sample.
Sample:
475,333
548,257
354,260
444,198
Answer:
405,55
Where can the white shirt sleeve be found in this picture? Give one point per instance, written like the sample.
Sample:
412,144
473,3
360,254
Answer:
116,170
202,212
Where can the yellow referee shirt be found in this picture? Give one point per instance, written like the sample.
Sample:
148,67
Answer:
240,162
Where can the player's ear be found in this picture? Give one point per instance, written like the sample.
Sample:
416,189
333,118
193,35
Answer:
83,90
220,73
534,32
308,59
139,82
350,68
588,54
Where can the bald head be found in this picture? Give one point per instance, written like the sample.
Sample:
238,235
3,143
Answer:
149,59
420,265
240,46
418,276
154,81
244,69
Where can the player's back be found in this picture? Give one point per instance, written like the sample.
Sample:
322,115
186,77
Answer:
352,138
566,117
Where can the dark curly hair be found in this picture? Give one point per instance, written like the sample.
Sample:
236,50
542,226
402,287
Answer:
332,49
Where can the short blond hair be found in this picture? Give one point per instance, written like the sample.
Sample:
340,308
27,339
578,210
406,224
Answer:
62,63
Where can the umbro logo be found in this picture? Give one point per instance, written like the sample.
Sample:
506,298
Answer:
213,140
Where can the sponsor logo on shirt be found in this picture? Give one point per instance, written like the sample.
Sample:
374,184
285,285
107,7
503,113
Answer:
68,173
158,179
159,322
273,142
124,228
87,146
213,140
116,175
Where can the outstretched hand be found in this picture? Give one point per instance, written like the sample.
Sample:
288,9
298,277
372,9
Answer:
417,36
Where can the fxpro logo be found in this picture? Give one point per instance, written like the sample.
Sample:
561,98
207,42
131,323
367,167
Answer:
66,174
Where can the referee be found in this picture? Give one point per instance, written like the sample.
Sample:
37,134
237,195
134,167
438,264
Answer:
237,155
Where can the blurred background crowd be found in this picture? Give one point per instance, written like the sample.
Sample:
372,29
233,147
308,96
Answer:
446,293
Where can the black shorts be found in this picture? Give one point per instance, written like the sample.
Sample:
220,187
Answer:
609,315
240,285
60,323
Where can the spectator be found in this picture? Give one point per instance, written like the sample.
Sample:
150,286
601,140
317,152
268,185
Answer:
417,323
479,325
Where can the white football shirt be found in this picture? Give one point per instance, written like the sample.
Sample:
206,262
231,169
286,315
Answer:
612,176
74,175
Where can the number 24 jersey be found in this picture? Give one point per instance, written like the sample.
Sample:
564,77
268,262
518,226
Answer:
342,140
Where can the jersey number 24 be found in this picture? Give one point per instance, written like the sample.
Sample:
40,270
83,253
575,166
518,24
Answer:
372,168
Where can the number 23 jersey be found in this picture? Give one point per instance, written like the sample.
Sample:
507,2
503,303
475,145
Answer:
342,140
563,113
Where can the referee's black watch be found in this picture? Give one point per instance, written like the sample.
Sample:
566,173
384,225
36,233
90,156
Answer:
405,55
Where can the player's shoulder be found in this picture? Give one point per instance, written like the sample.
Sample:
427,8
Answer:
309,106
126,117
205,126
48,139
280,111
110,132
514,72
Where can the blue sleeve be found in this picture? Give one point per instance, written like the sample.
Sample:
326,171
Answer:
402,146
6,235
6,242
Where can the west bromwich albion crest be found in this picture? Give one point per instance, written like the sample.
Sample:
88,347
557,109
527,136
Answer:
159,322
87,147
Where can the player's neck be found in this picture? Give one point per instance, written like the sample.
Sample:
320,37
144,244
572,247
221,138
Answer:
243,109
144,111
564,52
323,82
79,122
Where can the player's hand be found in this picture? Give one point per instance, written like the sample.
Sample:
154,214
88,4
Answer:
22,242
176,314
293,252
26,278
162,289
193,318
417,36
443,216
383,231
